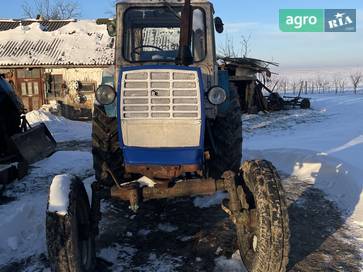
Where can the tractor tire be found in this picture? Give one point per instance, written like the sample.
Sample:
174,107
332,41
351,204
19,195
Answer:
106,150
275,102
70,240
227,138
264,244
305,104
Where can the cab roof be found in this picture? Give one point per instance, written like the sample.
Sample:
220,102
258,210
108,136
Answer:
159,1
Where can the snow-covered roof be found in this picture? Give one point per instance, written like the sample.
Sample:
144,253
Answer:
55,44
47,25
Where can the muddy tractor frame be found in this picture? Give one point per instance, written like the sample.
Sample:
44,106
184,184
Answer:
171,116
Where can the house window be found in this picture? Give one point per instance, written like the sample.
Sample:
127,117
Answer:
23,89
36,88
54,85
28,73
57,85
88,87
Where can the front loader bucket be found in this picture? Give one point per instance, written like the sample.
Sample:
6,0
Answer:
35,144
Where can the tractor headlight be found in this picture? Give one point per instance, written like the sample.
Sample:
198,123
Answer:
217,95
105,95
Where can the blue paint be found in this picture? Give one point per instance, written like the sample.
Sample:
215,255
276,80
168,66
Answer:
223,81
110,110
162,156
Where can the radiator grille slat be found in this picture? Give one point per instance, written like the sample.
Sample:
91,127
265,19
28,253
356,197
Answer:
164,94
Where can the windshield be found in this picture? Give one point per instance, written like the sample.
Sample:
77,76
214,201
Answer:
152,34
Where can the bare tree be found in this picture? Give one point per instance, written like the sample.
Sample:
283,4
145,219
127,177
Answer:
51,9
312,86
356,78
319,84
227,50
245,50
282,85
336,81
294,86
342,85
230,51
326,86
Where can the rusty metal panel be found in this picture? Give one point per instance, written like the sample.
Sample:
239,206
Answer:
161,172
180,189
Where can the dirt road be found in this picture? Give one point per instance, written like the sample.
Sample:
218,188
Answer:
176,236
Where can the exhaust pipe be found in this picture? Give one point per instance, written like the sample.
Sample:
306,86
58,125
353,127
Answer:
185,53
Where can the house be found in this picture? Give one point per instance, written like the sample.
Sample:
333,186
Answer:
55,60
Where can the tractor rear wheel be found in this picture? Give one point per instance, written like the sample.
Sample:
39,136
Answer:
107,153
263,235
227,138
70,240
305,104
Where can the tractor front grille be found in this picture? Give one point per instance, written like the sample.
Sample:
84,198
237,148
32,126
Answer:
161,108
167,94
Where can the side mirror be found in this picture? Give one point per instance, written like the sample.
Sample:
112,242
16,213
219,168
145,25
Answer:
111,29
219,25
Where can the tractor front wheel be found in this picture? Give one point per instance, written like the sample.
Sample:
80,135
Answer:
70,239
262,225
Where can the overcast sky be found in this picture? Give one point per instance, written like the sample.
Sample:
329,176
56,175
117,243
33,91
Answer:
260,20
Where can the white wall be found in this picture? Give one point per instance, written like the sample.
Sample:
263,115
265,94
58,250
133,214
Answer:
81,74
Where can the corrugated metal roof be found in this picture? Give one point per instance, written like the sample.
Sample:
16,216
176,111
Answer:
48,25
82,43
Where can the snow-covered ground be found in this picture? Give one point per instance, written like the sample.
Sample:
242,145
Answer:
63,130
322,146
22,229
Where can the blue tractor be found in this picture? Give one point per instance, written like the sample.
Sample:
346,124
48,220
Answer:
171,115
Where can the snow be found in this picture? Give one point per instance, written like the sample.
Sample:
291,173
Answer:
311,74
22,224
88,186
322,146
163,263
143,182
167,227
59,194
231,265
209,201
86,43
62,129
115,252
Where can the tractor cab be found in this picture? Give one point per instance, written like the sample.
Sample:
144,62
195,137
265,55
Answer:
155,33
